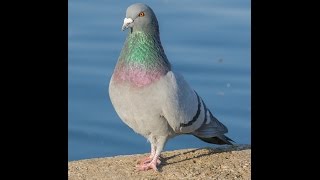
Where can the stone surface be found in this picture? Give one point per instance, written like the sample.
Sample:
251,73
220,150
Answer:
223,162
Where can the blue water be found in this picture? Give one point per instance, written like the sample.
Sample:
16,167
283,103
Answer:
207,41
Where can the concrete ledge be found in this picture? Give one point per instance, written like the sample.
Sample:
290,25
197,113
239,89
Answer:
223,162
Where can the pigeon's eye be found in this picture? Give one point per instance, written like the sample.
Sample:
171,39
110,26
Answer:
141,14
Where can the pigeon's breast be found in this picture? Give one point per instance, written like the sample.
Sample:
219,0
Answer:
140,108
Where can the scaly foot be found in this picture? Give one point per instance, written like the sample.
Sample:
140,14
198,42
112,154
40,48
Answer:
149,163
147,160
147,166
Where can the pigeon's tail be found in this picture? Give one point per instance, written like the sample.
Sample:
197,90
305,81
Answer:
221,139
212,131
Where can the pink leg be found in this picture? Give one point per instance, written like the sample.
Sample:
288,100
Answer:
149,158
152,163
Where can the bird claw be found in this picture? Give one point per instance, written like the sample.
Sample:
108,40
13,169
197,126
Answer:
148,163
151,165
148,160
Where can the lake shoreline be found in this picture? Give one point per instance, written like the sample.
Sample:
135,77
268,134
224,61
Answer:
221,162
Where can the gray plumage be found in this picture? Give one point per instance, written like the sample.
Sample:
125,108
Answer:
150,97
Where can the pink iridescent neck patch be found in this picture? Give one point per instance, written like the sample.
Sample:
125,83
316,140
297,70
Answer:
137,77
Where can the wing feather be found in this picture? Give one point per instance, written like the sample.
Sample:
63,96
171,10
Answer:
182,107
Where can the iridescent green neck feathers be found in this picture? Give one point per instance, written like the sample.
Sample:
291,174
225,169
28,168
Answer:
142,60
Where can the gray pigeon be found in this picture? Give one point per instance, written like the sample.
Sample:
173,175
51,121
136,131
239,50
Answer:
150,97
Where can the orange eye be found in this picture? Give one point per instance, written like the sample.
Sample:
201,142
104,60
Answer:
141,14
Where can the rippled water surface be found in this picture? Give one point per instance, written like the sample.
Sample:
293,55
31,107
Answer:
207,41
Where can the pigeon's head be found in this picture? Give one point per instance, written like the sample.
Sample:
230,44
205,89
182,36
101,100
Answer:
140,17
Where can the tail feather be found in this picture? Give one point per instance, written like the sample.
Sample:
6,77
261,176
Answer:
212,130
221,139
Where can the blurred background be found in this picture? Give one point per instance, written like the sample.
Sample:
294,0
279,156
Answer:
208,41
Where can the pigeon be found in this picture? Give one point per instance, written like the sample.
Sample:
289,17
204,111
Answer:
152,99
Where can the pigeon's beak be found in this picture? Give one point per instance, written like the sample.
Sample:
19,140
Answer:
127,22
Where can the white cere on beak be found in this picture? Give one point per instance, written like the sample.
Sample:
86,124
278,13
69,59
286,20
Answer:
126,22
